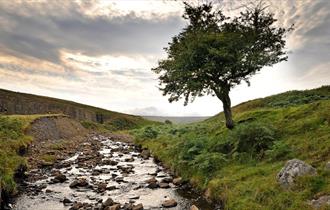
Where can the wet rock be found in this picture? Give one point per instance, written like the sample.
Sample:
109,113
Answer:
130,159
112,187
151,180
119,179
66,201
82,182
167,180
76,206
128,206
138,207
134,197
193,207
292,169
102,187
164,185
48,191
177,181
108,202
153,185
169,203
60,178
46,164
113,207
145,154
109,162
323,201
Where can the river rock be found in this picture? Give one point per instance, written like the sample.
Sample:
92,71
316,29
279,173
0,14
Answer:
322,201
145,154
76,206
113,207
60,178
153,185
112,187
292,169
167,180
138,207
102,187
82,182
108,202
169,203
193,207
177,181
46,164
119,179
151,180
66,201
164,185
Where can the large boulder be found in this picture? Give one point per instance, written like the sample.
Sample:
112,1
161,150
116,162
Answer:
293,169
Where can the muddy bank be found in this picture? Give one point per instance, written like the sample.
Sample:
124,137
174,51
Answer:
106,173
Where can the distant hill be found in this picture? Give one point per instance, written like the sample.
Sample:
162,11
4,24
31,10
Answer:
27,104
179,120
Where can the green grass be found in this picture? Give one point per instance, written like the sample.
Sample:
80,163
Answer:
239,166
12,141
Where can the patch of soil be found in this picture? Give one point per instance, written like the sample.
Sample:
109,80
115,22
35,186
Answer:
54,128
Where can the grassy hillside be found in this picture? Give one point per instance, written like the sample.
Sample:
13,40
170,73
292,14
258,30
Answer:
239,166
175,120
22,103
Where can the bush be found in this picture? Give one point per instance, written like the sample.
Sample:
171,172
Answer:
191,148
169,122
279,151
208,163
149,133
252,138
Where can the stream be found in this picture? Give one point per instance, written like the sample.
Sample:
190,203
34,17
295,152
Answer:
122,172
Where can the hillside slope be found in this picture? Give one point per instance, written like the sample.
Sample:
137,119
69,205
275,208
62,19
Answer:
25,104
238,167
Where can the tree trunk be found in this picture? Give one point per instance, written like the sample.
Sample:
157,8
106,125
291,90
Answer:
223,95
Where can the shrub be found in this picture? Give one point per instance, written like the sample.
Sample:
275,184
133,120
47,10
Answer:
279,151
149,133
169,122
191,148
252,138
208,163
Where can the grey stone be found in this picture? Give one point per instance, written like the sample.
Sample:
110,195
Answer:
322,201
293,169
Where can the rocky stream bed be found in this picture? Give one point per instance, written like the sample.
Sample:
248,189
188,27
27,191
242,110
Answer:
107,174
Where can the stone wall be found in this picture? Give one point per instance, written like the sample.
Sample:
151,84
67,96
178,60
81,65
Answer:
18,103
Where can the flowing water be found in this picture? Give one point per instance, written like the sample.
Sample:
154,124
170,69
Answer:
123,177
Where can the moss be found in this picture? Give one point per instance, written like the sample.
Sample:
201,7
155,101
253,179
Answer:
239,167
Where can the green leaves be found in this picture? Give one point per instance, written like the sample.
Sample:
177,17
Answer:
214,51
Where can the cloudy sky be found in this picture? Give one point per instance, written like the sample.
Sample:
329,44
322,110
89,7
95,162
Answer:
101,52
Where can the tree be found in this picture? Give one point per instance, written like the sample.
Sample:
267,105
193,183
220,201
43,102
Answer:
214,53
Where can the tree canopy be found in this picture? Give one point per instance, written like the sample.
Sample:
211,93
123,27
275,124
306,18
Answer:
214,53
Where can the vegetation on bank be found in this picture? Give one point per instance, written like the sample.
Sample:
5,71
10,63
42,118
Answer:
12,142
118,124
239,166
